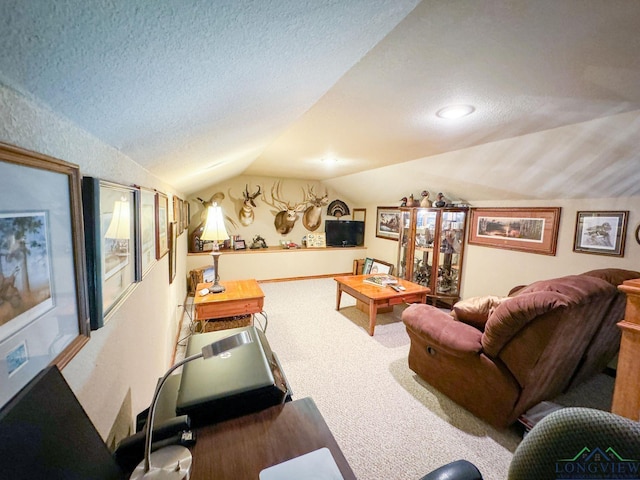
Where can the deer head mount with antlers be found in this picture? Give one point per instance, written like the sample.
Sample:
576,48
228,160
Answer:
246,214
287,214
312,217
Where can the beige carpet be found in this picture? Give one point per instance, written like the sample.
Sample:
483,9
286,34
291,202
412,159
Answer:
389,423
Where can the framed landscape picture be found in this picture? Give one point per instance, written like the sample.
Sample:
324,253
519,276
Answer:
43,296
532,230
388,223
601,233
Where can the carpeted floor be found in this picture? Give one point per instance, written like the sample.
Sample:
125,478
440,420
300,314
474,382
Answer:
388,422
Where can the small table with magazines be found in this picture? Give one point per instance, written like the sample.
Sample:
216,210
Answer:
379,297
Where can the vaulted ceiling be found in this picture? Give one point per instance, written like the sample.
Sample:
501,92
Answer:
198,91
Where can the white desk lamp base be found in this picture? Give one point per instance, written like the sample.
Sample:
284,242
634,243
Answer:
168,463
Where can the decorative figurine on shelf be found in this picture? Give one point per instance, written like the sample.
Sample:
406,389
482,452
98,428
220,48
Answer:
440,202
412,202
425,202
258,242
403,201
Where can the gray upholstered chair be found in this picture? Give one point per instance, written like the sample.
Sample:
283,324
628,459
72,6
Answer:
572,442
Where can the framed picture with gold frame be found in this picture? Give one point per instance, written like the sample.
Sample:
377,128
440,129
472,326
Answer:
388,223
44,318
532,230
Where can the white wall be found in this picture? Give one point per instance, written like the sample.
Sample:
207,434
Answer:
281,264
134,348
495,271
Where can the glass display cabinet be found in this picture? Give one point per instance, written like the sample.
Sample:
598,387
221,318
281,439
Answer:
430,250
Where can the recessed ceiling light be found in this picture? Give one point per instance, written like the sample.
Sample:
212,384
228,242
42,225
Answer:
455,111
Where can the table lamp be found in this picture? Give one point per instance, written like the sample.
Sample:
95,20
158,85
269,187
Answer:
174,462
214,230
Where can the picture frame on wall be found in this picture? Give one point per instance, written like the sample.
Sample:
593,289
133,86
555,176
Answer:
177,211
601,232
531,230
112,244
147,225
162,225
43,319
388,223
173,243
186,215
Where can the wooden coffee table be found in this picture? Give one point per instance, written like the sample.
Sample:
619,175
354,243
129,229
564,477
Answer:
378,298
241,297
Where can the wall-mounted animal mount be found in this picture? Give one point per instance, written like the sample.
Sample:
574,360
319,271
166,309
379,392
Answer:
338,208
312,217
246,214
286,214
195,244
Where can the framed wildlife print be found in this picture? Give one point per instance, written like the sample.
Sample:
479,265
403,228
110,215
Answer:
43,296
388,223
601,233
532,230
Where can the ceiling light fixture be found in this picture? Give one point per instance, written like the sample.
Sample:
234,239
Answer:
455,111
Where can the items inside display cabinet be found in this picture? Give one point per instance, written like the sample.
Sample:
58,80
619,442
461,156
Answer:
431,246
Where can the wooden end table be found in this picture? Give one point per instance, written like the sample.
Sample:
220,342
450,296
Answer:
378,298
241,297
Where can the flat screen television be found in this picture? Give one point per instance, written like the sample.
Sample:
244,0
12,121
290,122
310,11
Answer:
344,233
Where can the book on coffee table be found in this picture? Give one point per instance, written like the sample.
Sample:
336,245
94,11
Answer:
381,280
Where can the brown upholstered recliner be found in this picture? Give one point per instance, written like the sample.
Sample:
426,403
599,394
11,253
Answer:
528,348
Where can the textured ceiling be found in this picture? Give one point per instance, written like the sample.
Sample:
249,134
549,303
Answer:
199,91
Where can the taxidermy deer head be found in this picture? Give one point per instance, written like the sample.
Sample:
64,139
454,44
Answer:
313,214
287,213
246,214
215,198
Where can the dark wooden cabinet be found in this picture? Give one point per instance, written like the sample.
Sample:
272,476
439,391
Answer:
431,249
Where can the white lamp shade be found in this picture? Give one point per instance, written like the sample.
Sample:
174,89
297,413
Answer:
214,226
120,226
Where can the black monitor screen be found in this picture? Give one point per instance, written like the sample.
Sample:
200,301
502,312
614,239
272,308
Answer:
46,434
344,233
